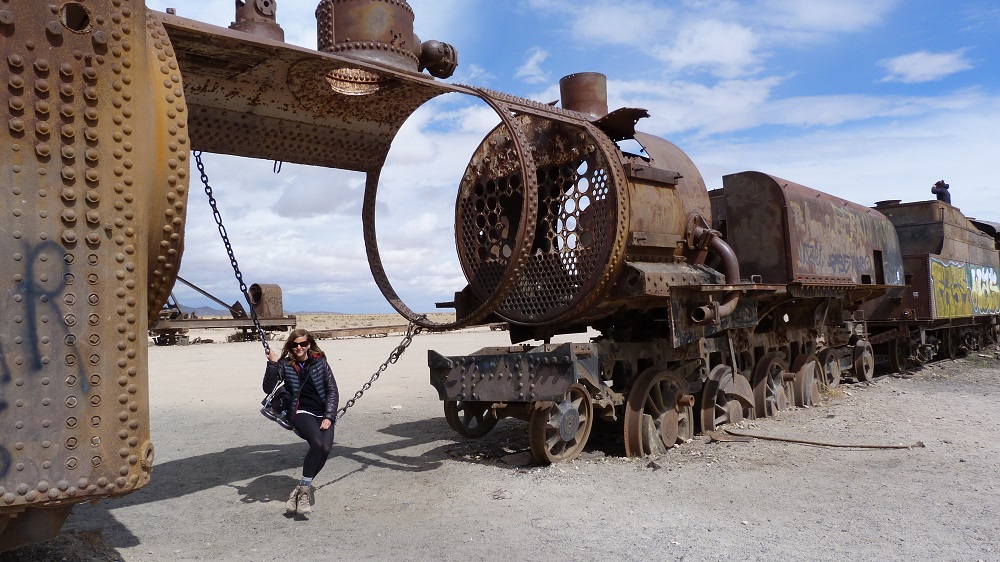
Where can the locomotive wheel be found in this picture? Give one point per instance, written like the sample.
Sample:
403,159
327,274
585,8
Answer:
658,414
830,364
808,375
559,431
726,398
864,361
899,352
770,391
470,419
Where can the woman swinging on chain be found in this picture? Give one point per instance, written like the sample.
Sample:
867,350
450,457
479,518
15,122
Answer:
312,410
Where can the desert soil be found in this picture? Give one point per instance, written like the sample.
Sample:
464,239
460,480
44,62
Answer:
400,485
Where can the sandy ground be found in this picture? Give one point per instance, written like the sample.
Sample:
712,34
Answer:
400,485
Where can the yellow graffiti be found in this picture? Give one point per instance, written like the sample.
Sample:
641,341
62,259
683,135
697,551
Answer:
951,290
962,290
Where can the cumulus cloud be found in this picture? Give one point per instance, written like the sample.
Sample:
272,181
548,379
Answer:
725,49
922,66
531,71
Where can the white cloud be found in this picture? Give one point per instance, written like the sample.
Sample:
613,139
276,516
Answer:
839,16
727,50
624,23
923,66
531,71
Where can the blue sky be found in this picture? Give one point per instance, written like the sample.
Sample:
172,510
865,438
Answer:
864,99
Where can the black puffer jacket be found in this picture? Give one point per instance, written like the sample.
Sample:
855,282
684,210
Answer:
317,368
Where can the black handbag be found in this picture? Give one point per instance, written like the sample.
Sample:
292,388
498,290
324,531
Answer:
276,404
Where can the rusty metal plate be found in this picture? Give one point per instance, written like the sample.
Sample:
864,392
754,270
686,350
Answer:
786,232
259,98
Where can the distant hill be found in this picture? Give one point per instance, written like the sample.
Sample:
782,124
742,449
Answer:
204,311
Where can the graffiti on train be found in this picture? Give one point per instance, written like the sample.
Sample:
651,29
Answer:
35,327
962,289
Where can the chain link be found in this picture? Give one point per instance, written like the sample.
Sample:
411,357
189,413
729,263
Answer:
229,250
394,356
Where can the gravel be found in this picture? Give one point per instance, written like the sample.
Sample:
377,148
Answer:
400,485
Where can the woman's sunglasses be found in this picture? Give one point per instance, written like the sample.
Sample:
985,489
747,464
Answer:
300,344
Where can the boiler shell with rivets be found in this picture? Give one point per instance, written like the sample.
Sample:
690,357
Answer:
94,175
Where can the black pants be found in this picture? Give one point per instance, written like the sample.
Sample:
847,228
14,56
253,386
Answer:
319,442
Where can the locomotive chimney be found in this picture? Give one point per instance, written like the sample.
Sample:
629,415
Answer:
258,17
585,92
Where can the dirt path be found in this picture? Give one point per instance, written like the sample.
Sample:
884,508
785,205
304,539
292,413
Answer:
401,486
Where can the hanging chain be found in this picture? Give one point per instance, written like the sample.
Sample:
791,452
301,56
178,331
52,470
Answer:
229,250
394,356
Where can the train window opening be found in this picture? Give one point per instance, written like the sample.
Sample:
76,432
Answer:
866,279
879,267
632,147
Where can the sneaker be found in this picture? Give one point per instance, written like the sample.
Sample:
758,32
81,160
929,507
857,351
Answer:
305,500
291,506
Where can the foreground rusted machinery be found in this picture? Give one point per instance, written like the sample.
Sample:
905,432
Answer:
951,300
710,307
103,102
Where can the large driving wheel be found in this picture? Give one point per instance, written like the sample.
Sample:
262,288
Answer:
771,390
864,361
808,376
899,353
726,398
659,413
558,431
468,418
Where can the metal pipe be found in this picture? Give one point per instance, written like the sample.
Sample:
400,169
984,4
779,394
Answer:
731,268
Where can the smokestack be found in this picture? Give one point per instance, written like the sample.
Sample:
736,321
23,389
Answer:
585,92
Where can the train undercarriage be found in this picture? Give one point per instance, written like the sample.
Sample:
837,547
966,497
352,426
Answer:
655,394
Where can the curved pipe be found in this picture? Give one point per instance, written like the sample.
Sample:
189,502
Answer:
731,268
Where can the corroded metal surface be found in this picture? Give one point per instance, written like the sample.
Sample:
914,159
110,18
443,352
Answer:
253,97
95,173
265,298
789,233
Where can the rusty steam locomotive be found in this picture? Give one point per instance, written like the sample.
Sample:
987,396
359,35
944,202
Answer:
712,306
